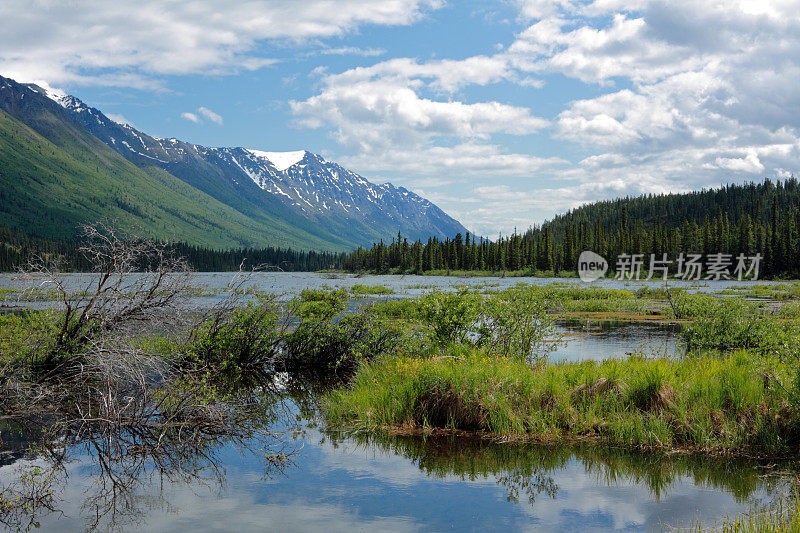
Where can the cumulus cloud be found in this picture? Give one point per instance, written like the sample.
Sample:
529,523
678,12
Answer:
78,42
351,50
370,116
471,159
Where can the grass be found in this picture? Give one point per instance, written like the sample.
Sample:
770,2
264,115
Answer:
781,517
370,289
737,404
780,291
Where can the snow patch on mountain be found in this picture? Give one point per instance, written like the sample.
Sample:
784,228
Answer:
280,160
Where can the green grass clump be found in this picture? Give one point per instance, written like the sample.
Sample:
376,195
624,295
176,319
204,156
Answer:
780,517
740,403
370,289
606,305
407,309
27,337
780,291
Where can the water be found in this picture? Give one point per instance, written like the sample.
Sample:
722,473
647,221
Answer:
336,482
291,283
604,339
393,483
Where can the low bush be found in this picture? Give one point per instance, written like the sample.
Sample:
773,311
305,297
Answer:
513,322
324,340
730,323
247,338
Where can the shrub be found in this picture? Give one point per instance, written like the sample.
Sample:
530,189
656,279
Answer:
515,322
323,341
246,338
452,316
729,323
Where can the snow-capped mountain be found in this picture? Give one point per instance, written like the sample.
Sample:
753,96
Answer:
305,184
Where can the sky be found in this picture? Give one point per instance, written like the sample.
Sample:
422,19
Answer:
503,113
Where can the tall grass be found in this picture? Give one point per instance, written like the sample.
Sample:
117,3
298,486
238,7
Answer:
781,517
734,404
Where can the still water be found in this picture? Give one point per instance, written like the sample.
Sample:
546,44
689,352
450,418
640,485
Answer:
382,483
337,482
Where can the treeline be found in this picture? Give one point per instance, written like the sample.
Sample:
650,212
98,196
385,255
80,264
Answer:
17,248
735,219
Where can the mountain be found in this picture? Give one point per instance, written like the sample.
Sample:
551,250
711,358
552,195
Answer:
299,188
55,176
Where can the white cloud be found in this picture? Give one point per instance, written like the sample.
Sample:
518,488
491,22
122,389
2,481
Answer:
191,117
210,115
749,163
370,116
77,42
119,119
352,50
202,112
463,160
445,75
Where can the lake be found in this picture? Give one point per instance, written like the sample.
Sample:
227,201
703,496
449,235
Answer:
342,482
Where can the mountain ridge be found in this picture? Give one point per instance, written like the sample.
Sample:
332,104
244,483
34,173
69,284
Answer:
309,191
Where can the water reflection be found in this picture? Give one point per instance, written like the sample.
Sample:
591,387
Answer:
113,474
582,487
603,339
336,481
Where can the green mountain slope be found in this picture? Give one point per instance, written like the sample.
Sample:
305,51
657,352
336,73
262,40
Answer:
55,176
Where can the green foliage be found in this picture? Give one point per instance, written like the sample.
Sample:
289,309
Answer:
319,304
687,305
722,404
246,339
515,322
406,309
325,340
512,322
26,338
735,219
452,316
731,323
370,289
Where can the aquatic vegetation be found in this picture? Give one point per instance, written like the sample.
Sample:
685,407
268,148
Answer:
514,321
370,289
730,323
407,309
775,291
781,516
707,403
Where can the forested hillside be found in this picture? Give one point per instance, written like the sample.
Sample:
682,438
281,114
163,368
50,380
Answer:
735,219
18,248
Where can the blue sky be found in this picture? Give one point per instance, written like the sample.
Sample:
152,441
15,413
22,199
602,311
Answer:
503,113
